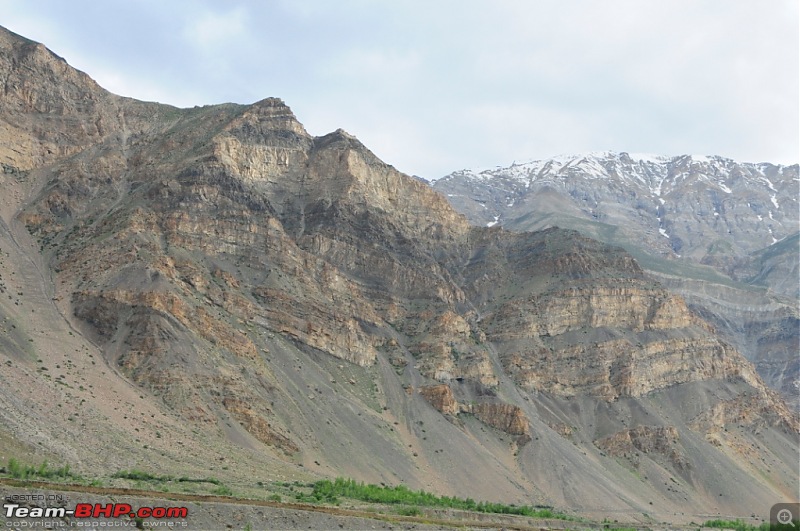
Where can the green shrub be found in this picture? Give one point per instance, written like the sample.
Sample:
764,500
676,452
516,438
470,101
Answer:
222,490
140,475
739,525
409,511
213,481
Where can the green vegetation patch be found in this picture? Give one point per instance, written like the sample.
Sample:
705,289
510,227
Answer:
140,475
18,470
739,525
330,491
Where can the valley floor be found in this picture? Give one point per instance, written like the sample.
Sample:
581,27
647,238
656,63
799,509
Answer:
225,512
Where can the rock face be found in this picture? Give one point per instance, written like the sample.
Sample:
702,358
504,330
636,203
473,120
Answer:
504,417
441,397
630,444
297,301
718,233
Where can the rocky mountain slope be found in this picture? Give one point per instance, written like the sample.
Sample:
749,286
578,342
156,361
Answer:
720,233
215,290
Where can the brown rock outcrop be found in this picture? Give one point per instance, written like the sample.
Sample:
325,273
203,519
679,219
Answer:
756,411
257,426
441,397
505,417
627,339
648,440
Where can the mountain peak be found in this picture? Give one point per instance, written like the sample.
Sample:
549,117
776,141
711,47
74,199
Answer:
270,114
36,79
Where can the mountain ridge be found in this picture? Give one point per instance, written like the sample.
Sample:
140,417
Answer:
653,179
293,307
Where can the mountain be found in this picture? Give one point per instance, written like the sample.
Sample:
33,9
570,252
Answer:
215,292
708,210
720,233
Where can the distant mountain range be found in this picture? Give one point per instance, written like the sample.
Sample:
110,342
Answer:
708,210
723,234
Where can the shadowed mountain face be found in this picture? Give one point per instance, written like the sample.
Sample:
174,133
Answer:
721,234
291,306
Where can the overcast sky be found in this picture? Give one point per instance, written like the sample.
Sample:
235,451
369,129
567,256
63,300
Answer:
433,86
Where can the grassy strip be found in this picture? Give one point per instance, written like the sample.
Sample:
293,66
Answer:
390,519
18,470
738,525
329,492
140,475
22,471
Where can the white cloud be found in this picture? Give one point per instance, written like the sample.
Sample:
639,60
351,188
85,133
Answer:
210,30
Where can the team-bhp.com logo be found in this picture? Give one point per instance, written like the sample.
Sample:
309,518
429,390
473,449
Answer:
95,510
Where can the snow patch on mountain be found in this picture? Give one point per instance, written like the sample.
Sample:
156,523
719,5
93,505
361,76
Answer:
653,176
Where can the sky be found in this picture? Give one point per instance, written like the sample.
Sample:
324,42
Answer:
434,86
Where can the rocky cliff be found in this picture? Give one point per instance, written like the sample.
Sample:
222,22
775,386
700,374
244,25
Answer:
298,308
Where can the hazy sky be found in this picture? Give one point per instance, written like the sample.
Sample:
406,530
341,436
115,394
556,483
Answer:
435,86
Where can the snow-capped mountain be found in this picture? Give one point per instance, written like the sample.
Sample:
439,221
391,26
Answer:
705,209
